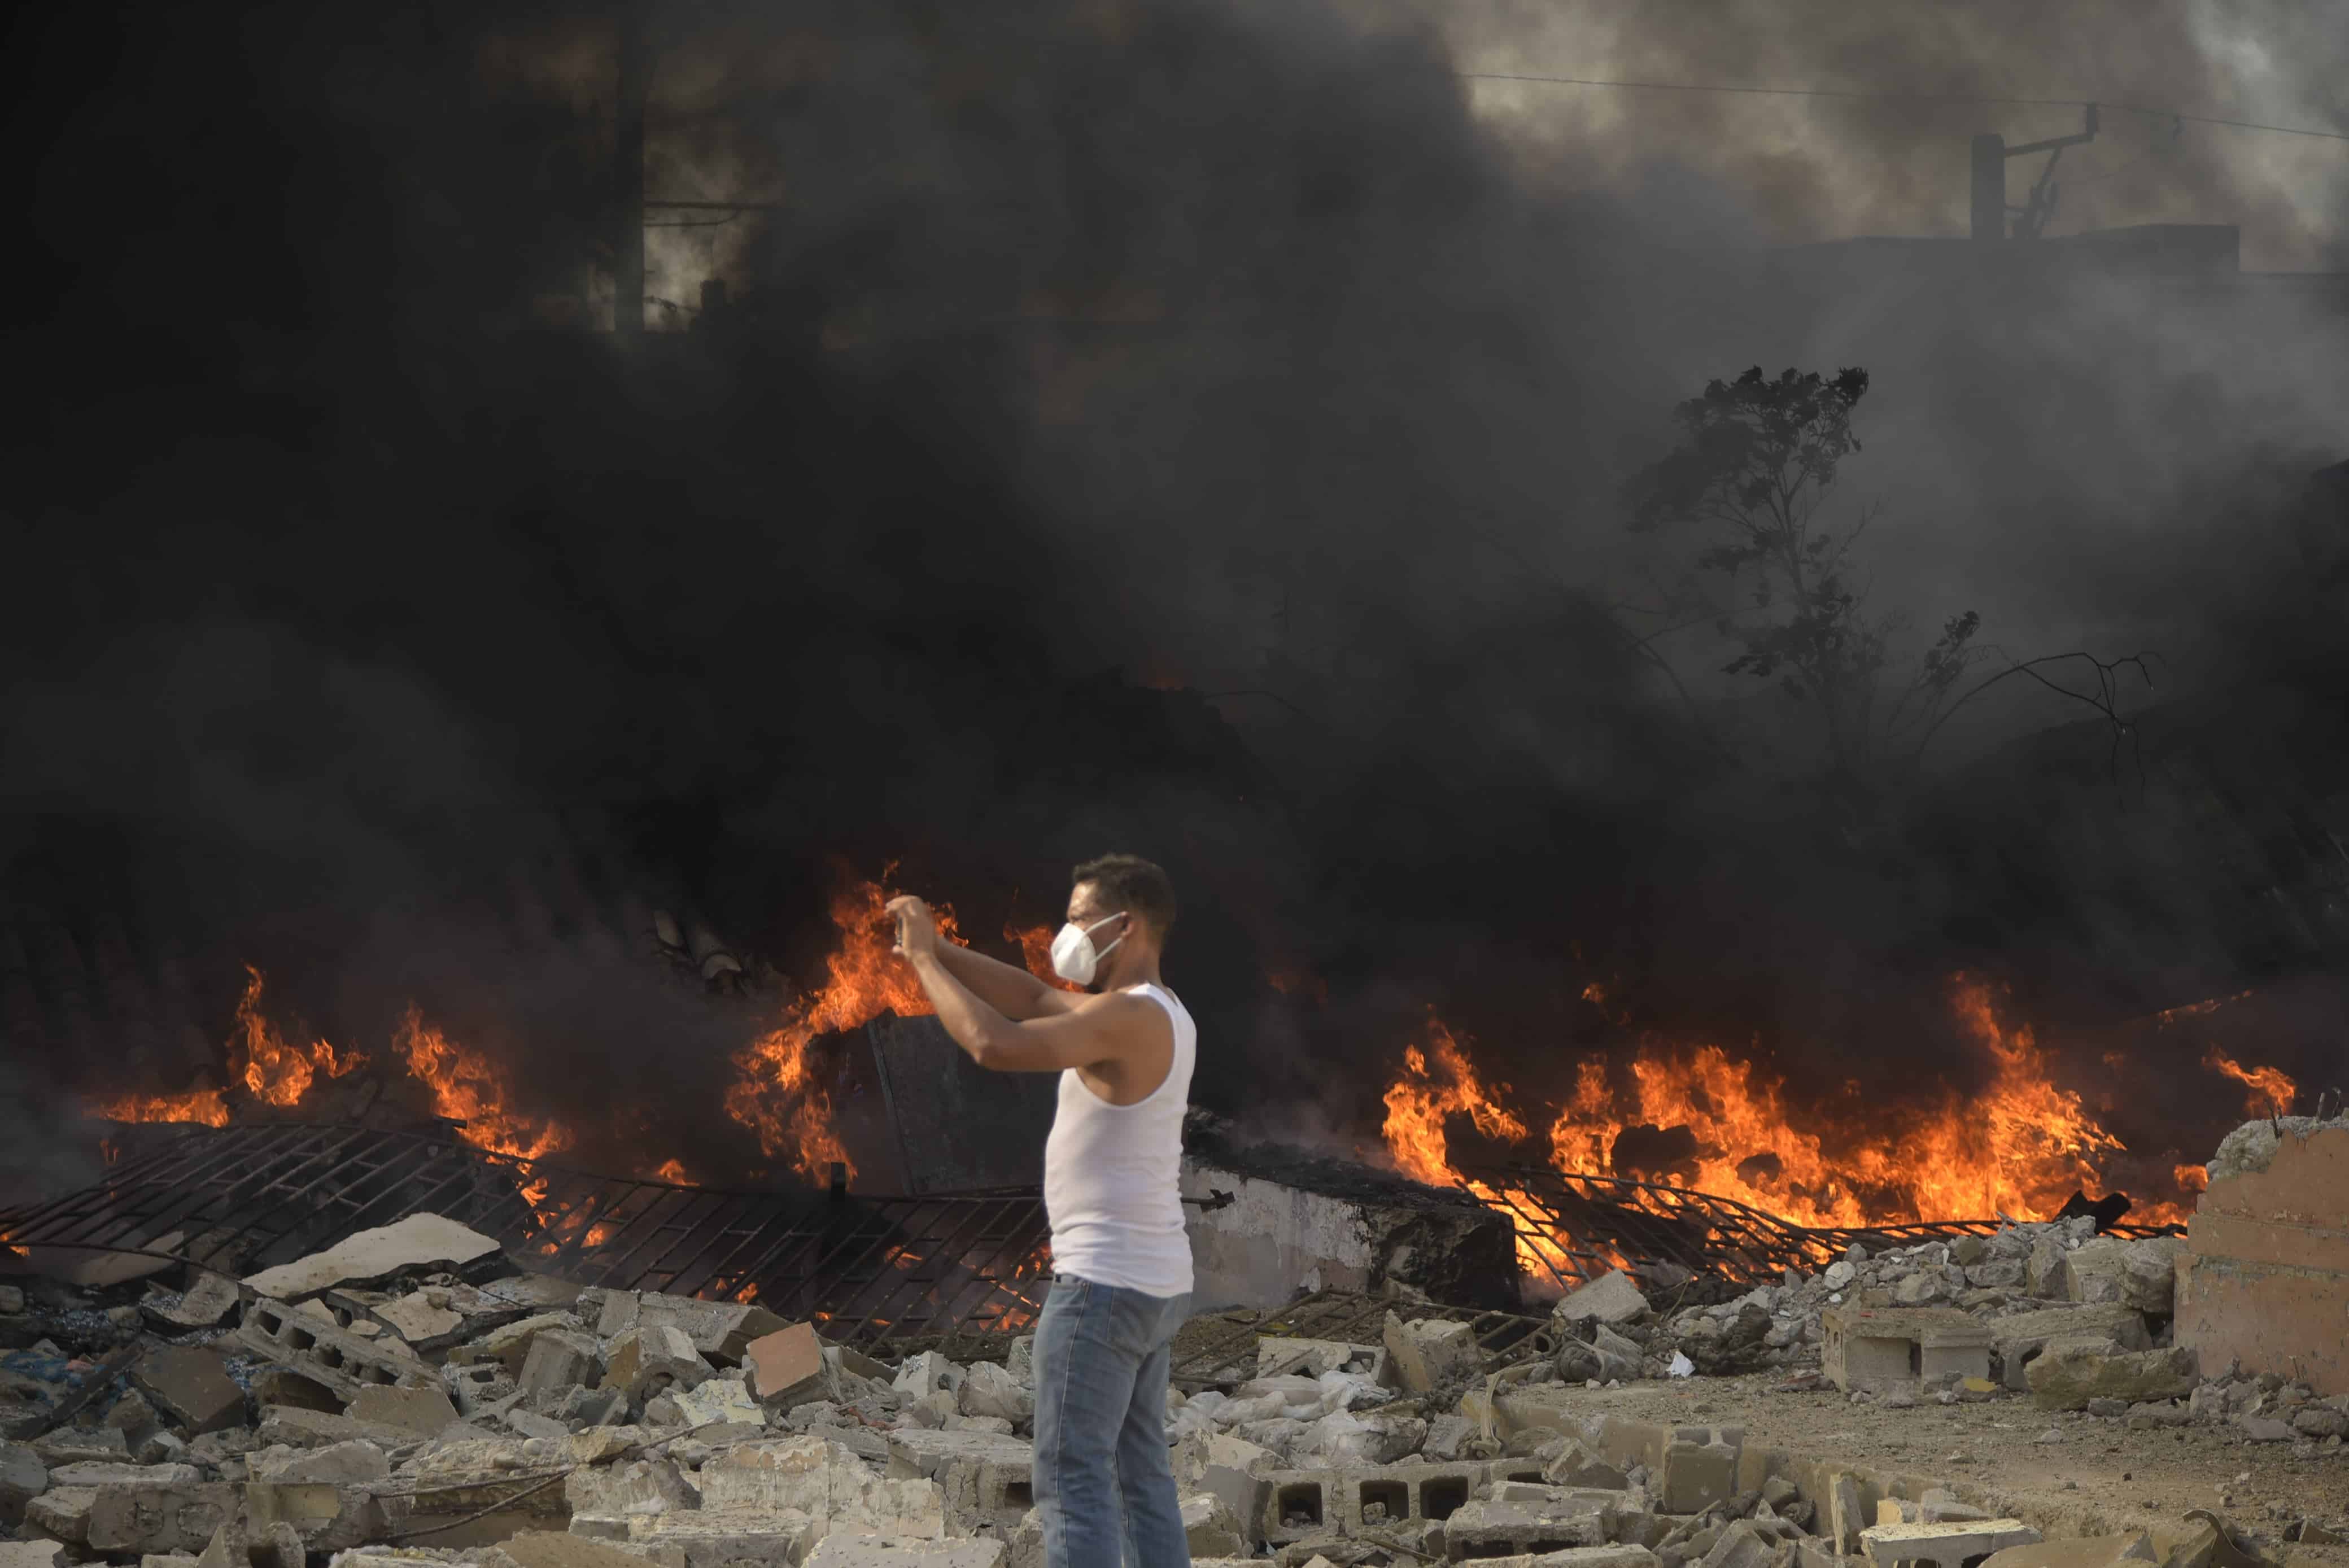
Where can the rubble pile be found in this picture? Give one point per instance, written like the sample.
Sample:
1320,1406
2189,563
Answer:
408,1397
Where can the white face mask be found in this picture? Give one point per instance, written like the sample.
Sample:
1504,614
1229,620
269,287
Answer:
1074,958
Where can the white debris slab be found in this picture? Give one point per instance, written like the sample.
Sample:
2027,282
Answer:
1948,1545
420,1241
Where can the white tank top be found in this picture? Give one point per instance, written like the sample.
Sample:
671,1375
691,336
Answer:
1111,1173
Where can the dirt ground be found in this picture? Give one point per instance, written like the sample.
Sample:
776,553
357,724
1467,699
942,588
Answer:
2095,1478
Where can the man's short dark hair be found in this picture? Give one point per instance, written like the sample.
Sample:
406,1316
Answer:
1129,882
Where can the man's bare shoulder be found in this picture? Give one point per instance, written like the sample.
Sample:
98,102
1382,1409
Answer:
1128,1015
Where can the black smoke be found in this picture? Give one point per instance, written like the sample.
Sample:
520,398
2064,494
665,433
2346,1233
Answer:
1179,427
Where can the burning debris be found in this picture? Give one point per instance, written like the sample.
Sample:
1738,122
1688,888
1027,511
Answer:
413,1393
1697,1118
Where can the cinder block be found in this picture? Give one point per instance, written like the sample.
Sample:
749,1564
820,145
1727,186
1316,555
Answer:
137,1520
1312,1499
988,1478
1498,1529
326,1355
1405,1491
1526,1469
1698,1475
1880,1348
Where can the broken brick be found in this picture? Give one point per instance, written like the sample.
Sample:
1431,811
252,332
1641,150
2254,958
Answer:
787,1366
191,1385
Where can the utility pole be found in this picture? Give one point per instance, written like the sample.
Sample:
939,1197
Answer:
628,170
1988,206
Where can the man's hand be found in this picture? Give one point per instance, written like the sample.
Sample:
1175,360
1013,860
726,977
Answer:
918,928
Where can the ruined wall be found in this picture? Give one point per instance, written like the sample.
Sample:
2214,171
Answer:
1281,1235
2265,1276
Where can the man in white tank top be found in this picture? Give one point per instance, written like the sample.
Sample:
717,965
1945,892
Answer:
1121,1262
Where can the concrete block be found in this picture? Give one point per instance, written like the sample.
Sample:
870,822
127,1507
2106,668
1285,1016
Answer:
1615,1556
200,1306
100,1473
508,1344
719,1331
720,1401
986,1478
990,1389
78,1445
2137,1273
439,1317
1209,1527
1494,1529
1742,1544
1610,1298
929,1373
1945,1545
419,1242
422,1410
1576,1465
1877,1348
2071,1372
749,1538
1399,1492
1842,1513
32,1554
638,1488
653,1359
425,1322
287,1427
1231,1467
144,1517
559,1548
557,1359
23,1477
788,1367
189,1387
2264,1281
1299,1503
1428,1352
1696,1475
343,1362
327,1518
234,1545
352,1463
2017,1341
822,1480
63,1511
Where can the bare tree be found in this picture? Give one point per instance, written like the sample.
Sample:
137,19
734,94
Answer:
1756,462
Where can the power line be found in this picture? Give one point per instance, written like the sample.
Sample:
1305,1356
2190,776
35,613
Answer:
1894,96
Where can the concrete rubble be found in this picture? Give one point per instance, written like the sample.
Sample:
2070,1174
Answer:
413,1399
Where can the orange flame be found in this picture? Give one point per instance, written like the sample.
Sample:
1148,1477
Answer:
777,1096
1419,1104
276,1072
2020,1145
202,1105
468,1088
2192,1177
2271,1089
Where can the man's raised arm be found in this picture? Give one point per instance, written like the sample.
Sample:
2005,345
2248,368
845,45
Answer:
1014,993
1085,1031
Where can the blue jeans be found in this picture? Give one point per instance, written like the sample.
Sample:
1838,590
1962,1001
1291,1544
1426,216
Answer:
1102,1479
